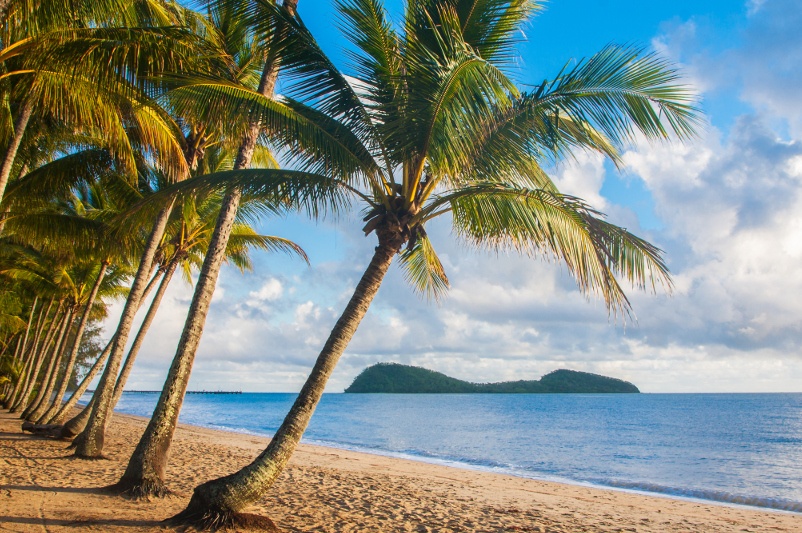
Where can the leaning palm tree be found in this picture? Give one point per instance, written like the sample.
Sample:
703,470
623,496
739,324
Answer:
225,29
430,125
76,62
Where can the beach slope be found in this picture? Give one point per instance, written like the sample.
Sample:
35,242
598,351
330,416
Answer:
44,489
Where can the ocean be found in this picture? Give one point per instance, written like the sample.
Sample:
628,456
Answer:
734,448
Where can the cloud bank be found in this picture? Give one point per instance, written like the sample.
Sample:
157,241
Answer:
730,212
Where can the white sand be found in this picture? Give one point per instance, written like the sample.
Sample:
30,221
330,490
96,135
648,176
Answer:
44,489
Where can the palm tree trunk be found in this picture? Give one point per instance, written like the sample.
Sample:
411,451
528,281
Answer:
143,331
49,380
76,344
150,457
39,350
11,152
8,390
44,350
144,475
216,503
77,424
18,385
62,413
90,444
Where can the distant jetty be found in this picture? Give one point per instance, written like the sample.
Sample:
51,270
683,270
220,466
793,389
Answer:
404,379
188,392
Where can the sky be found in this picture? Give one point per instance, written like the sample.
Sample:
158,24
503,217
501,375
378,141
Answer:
725,207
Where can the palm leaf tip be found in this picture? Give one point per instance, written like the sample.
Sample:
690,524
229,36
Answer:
423,269
537,222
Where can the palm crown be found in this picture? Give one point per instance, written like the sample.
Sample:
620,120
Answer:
428,122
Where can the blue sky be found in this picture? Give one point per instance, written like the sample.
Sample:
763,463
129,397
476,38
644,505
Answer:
726,207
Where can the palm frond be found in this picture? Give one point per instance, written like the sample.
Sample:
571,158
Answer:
278,190
314,141
621,91
423,270
537,222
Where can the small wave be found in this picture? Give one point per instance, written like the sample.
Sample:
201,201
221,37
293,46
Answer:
779,504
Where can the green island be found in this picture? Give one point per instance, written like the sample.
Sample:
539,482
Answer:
404,379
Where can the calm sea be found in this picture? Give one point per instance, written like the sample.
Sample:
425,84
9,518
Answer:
735,448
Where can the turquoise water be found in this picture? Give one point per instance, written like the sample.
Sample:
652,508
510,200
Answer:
735,448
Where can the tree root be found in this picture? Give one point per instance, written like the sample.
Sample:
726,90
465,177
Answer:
54,431
222,521
140,490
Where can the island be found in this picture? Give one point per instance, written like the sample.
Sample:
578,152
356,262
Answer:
404,379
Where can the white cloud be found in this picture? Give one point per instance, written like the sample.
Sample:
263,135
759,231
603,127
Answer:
583,177
731,207
753,6
270,291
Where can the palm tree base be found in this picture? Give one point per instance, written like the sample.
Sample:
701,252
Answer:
84,450
46,430
140,489
205,519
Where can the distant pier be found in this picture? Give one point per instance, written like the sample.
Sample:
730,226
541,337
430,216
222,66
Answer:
188,392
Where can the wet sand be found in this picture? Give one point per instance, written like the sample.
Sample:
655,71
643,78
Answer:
44,489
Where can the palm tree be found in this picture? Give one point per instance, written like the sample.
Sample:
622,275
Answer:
145,473
94,67
433,126
75,62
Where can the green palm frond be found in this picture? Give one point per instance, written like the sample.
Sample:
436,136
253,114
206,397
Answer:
56,232
423,270
244,238
536,222
312,139
377,59
452,92
621,91
60,176
311,76
493,27
279,191
445,121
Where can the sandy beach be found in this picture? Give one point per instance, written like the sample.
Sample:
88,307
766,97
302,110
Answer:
43,489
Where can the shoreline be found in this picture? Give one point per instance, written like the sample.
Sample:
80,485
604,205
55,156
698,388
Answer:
780,507
337,490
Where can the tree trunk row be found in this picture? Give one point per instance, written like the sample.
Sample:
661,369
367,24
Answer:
144,476
90,444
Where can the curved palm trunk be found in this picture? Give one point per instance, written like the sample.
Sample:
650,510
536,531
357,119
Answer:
17,356
51,372
39,355
61,414
77,424
145,472
79,333
48,353
11,152
6,392
51,376
144,475
91,442
216,503
143,331
28,360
